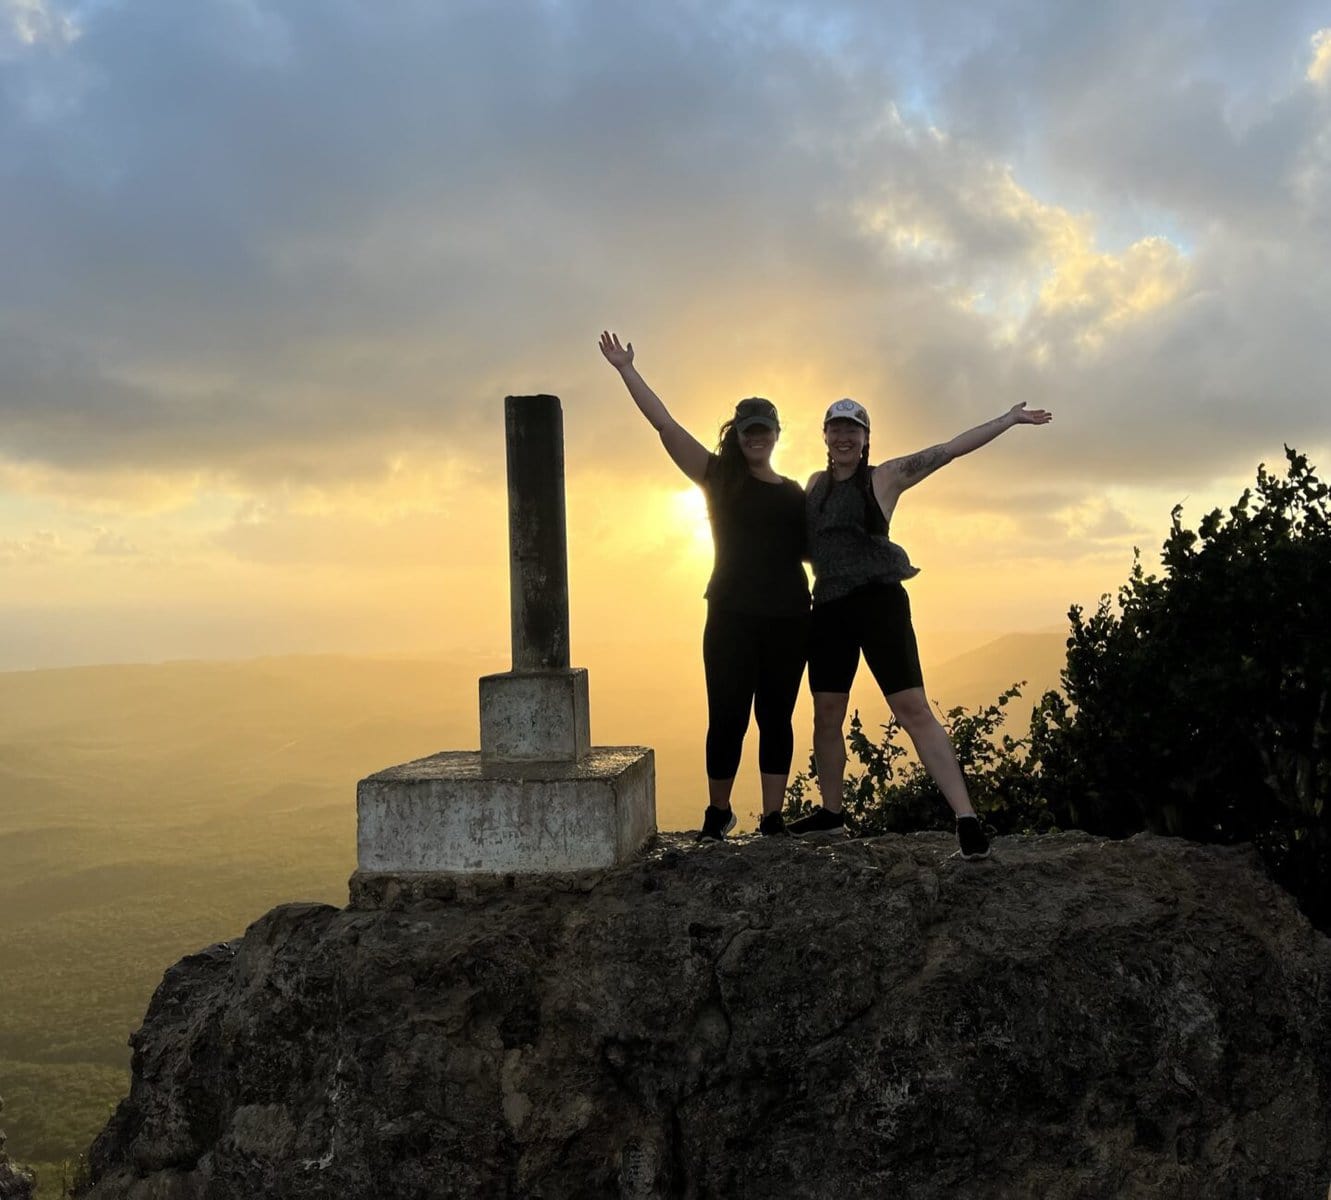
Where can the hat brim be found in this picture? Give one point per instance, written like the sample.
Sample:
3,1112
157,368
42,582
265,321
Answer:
827,420
750,422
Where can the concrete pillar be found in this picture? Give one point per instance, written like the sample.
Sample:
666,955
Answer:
538,711
538,797
537,533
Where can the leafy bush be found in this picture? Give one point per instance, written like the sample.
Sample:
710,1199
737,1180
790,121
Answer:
1198,705
894,794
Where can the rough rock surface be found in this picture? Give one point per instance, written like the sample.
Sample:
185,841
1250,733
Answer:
15,1182
1072,1018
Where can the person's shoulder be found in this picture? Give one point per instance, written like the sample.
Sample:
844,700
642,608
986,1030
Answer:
886,474
813,479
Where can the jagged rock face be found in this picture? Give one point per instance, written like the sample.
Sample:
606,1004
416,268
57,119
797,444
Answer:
15,1182
771,1018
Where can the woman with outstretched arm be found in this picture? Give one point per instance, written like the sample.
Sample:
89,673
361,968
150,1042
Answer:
861,607
756,636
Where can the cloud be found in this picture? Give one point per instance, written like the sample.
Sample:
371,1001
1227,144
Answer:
1319,70
42,546
25,24
110,544
223,252
258,247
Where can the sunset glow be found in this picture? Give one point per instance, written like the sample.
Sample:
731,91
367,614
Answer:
253,369
690,510
269,273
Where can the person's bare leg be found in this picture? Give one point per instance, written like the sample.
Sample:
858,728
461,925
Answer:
914,714
829,745
774,792
718,791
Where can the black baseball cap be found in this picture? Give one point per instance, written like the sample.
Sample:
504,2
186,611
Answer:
756,411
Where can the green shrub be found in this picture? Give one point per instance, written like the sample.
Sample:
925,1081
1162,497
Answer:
892,793
1198,704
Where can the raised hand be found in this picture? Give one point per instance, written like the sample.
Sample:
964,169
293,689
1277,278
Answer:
1021,415
688,454
616,355
909,471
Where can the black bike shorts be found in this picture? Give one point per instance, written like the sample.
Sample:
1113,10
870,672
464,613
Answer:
874,619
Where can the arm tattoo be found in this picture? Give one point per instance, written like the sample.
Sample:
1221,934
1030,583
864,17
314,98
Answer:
919,465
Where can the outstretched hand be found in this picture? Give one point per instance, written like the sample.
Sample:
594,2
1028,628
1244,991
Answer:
616,355
1021,415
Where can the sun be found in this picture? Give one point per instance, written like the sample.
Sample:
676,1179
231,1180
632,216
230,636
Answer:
689,509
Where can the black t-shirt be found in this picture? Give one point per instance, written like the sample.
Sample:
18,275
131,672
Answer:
760,544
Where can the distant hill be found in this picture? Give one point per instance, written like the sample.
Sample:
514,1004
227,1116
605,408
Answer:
979,675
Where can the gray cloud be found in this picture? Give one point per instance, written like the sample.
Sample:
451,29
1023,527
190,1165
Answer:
113,545
284,243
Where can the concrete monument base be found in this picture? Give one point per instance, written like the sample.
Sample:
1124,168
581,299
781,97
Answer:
453,813
535,716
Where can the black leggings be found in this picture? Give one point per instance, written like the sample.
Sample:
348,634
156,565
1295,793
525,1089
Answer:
752,663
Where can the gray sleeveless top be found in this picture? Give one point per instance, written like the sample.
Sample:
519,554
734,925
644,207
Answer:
844,554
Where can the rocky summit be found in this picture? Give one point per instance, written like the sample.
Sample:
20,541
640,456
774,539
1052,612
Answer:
759,1018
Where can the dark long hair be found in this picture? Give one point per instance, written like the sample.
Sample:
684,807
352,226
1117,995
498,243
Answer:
874,520
731,465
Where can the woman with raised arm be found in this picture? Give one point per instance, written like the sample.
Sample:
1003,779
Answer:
756,637
860,606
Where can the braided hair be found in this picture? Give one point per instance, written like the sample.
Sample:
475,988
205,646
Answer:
875,522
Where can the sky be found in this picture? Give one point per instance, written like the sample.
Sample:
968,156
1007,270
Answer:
270,269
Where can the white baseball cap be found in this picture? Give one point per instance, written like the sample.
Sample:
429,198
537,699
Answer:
846,410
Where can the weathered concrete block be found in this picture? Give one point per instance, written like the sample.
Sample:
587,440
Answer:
456,812
535,716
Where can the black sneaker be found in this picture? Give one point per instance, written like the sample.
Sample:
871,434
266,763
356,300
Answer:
716,823
773,825
970,837
821,820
